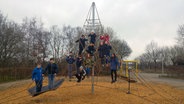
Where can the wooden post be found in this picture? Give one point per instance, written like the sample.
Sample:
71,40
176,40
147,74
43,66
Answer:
126,69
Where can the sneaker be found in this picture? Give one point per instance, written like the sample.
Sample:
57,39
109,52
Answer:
78,81
112,81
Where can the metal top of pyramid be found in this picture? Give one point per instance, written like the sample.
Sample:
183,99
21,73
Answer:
92,22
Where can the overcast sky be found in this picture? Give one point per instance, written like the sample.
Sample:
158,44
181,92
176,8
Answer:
136,21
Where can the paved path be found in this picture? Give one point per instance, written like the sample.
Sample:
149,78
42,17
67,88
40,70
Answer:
178,83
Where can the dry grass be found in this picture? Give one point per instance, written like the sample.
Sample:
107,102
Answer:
105,93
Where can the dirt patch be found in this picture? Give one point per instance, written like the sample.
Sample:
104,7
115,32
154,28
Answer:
105,92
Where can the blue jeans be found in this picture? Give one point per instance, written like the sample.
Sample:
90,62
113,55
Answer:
51,80
88,71
70,70
38,85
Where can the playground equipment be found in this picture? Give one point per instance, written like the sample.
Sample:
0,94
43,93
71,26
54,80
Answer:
93,23
129,69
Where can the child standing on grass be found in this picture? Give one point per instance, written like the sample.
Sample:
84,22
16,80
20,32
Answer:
37,77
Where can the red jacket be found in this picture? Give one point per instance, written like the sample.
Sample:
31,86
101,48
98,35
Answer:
105,38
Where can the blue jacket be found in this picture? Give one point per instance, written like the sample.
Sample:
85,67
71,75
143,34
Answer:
37,74
101,51
114,63
70,59
79,62
93,38
82,43
51,68
107,49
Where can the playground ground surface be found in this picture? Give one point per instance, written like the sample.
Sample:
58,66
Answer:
142,92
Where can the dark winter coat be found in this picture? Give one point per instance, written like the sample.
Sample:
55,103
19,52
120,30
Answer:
93,38
70,59
82,43
37,74
114,63
51,69
101,51
91,50
79,62
107,49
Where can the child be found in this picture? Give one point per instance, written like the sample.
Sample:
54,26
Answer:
79,62
81,41
105,38
101,50
88,64
91,49
107,52
113,66
70,60
92,35
37,76
81,75
51,70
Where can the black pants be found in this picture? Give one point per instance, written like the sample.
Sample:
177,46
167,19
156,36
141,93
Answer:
80,50
79,77
112,75
38,85
102,60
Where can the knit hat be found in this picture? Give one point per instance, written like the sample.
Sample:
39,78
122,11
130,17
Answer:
81,67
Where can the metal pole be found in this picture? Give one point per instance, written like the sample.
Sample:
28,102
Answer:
93,15
93,24
162,66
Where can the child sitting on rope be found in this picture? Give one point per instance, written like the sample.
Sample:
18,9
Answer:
91,49
105,38
37,76
81,41
81,75
92,36
88,64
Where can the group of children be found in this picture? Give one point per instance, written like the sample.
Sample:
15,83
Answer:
38,73
104,54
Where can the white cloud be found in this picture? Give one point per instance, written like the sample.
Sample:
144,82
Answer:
136,21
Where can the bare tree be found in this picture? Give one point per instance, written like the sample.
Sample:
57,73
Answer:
153,52
121,48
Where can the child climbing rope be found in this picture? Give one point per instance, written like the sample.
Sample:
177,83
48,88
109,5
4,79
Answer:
114,64
81,41
92,36
105,38
70,60
101,51
37,77
88,64
81,75
91,49
107,52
